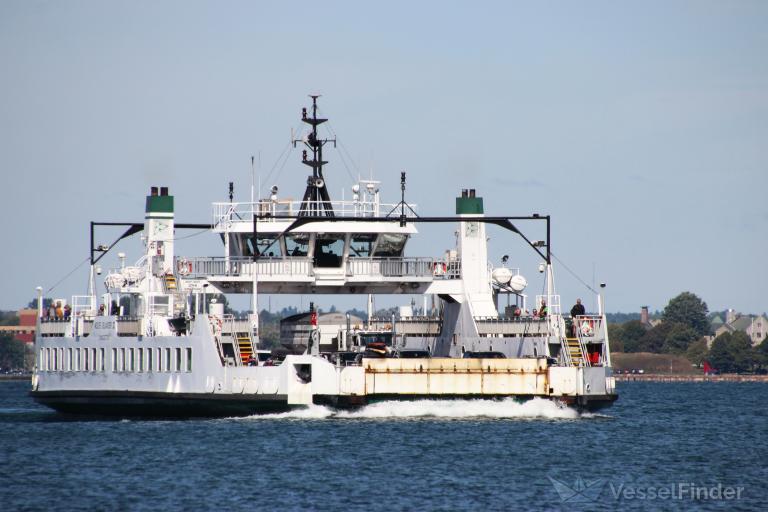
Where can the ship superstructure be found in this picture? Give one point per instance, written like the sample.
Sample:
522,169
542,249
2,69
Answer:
158,342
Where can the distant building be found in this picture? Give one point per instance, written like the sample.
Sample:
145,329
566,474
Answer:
645,318
716,323
755,326
25,331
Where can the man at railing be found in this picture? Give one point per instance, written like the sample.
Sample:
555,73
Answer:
577,309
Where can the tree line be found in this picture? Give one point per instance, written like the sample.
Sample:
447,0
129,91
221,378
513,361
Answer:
682,328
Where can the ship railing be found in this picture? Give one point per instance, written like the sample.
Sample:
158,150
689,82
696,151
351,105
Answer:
411,325
552,303
83,306
244,266
126,326
391,267
589,329
270,210
522,326
55,327
300,266
453,269
228,329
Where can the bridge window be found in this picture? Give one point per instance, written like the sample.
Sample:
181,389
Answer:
376,337
168,359
297,245
177,366
361,245
390,245
329,250
101,359
149,359
140,360
114,359
189,359
269,247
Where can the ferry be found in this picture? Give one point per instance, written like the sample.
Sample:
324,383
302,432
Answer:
156,340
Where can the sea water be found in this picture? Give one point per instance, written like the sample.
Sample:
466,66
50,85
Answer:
662,446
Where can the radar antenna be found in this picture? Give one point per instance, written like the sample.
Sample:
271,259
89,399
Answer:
316,201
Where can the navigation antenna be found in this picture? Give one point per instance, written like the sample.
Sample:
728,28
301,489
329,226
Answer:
316,201
402,204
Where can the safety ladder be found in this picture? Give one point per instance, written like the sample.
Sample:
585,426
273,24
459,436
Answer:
170,282
575,352
244,345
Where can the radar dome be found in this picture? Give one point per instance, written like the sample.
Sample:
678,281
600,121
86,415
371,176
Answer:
518,283
501,275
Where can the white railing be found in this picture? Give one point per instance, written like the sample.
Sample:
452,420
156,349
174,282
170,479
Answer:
303,267
391,267
245,266
266,210
452,270
589,329
552,303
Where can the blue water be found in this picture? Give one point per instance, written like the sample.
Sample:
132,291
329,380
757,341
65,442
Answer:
417,456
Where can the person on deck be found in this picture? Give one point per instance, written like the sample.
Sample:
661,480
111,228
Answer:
577,309
543,309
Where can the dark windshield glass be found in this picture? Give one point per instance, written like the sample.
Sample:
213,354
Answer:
329,250
361,245
390,245
376,337
297,245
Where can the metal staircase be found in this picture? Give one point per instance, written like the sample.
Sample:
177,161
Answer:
575,352
245,346
170,283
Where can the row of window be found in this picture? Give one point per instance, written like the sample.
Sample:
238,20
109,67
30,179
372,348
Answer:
120,359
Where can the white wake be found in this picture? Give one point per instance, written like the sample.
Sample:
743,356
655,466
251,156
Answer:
536,408
498,409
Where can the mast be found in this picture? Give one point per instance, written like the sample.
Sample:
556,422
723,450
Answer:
316,201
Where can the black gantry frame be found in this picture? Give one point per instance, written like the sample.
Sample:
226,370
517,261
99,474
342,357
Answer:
96,253
504,222
133,228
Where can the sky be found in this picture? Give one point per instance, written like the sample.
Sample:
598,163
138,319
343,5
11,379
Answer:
641,127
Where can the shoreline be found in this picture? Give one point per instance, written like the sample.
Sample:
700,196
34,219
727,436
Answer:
660,377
